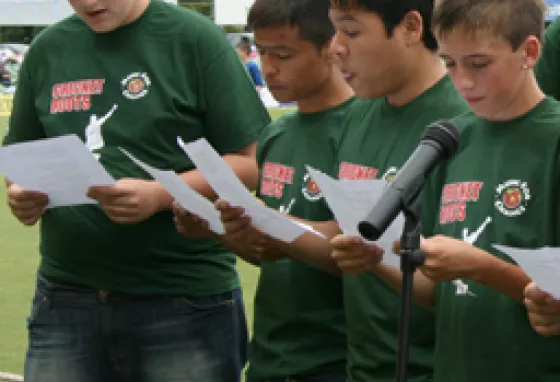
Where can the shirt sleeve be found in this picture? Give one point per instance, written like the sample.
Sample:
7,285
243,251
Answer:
234,113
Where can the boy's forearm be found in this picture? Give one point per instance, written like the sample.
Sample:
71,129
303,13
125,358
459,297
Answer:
497,274
245,167
312,249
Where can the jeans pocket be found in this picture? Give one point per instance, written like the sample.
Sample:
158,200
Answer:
191,304
39,303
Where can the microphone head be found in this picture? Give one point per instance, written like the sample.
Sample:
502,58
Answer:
369,231
444,133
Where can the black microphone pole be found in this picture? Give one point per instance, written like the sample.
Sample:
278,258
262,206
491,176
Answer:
439,142
411,259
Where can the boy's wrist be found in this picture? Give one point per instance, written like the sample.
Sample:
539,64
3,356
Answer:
480,265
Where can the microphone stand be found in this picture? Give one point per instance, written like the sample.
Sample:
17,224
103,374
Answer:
411,259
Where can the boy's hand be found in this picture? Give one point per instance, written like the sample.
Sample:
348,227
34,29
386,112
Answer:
354,256
190,225
544,311
236,223
240,233
27,206
131,200
448,259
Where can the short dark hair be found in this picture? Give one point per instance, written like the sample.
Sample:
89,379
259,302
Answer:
244,45
392,13
310,16
512,20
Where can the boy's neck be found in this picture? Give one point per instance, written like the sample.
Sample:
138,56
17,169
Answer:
426,72
334,92
140,8
525,100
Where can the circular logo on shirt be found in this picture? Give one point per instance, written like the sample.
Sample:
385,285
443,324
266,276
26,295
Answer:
310,189
512,198
135,85
390,174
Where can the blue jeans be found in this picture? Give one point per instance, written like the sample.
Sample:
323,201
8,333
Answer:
83,335
327,377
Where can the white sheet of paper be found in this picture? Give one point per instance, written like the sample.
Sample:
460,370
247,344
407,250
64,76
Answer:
61,167
188,198
228,186
349,200
541,264
309,228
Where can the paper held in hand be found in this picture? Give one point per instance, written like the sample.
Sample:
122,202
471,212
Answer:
227,185
349,200
61,167
183,194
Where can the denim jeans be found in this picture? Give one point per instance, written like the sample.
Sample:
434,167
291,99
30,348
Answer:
83,335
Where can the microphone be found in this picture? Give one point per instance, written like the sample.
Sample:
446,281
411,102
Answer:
439,142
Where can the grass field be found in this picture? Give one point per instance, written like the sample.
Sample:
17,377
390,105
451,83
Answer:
18,263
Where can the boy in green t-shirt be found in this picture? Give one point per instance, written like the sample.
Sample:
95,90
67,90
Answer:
544,311
487,197
299,331
122,296
390,54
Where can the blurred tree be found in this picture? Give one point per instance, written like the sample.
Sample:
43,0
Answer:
234,28
19,34
206,7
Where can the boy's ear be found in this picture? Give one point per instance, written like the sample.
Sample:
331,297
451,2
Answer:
411,28
531,49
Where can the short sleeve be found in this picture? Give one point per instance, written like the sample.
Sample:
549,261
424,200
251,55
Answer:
234,113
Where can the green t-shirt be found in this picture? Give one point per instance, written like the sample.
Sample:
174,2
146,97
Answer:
547,69
509,197
379,142
170,73
299,323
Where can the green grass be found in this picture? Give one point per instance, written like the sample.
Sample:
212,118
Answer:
18,263
277,112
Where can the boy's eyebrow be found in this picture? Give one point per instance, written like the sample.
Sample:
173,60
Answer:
275,47
346,17
474,55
